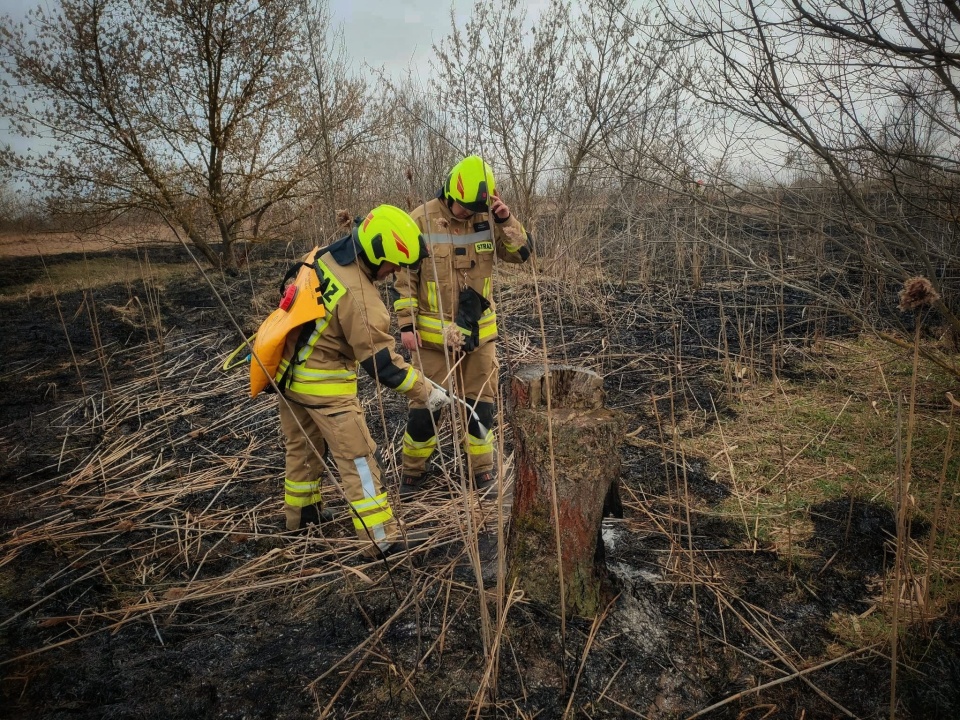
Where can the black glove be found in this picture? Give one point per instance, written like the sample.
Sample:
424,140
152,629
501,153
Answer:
471,306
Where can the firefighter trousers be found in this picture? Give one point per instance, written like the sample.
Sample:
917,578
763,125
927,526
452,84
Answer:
477,377
342,430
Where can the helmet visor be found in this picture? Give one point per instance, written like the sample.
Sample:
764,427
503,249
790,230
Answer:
476,207
482,201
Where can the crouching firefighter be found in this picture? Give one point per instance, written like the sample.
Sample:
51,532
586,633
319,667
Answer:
449,301
317,372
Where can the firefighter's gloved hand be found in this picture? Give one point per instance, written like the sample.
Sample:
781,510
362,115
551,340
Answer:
471,306
438,399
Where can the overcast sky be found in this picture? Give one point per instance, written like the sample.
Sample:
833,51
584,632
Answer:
395,34
389,34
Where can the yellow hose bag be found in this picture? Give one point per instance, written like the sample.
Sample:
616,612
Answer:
301,303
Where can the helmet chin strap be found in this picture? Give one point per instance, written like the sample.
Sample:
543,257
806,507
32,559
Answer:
366,261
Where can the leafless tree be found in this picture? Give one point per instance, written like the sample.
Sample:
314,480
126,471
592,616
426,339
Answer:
424,146
621,114
502,78
188,108
344,120
866,92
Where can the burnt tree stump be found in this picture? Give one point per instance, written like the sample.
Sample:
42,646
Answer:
586,439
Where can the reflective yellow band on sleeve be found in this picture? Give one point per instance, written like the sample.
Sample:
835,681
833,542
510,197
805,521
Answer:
429,323
406,303
409,381
488,326
435,338
431,329
515,248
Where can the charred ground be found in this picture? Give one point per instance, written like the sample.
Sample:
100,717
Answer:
162,586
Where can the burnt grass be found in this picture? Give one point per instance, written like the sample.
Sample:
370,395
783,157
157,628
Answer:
662,652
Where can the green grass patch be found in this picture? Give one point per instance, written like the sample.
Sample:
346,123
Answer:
94,272
840,432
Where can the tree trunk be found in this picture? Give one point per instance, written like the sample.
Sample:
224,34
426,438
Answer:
585,439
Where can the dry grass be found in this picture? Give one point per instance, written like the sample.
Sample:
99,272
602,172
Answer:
177,506
92,274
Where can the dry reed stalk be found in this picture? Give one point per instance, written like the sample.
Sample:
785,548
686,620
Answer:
594,628
902,501
63,323
935,522
680,456
730,467
761,633
490,670
553,472
799,674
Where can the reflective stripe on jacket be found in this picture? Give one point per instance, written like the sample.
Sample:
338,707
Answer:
461,255
355,329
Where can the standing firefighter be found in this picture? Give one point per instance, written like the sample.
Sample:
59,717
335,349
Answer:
318,373
449,301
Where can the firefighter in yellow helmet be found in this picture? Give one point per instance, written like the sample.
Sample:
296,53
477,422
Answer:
318,376
449,301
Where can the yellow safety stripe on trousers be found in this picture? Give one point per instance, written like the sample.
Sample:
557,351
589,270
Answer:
476,446
406,303
301,494
414,448
372,512
432,297
408,381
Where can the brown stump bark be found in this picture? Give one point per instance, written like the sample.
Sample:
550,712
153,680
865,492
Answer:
586,437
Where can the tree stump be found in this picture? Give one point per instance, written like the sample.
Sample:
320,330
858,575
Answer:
586,438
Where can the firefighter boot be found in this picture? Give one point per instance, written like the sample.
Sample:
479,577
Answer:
413,539
485,483
314,515
411,485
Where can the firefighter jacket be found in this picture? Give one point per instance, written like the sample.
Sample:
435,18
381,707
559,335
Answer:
461,256
321,360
